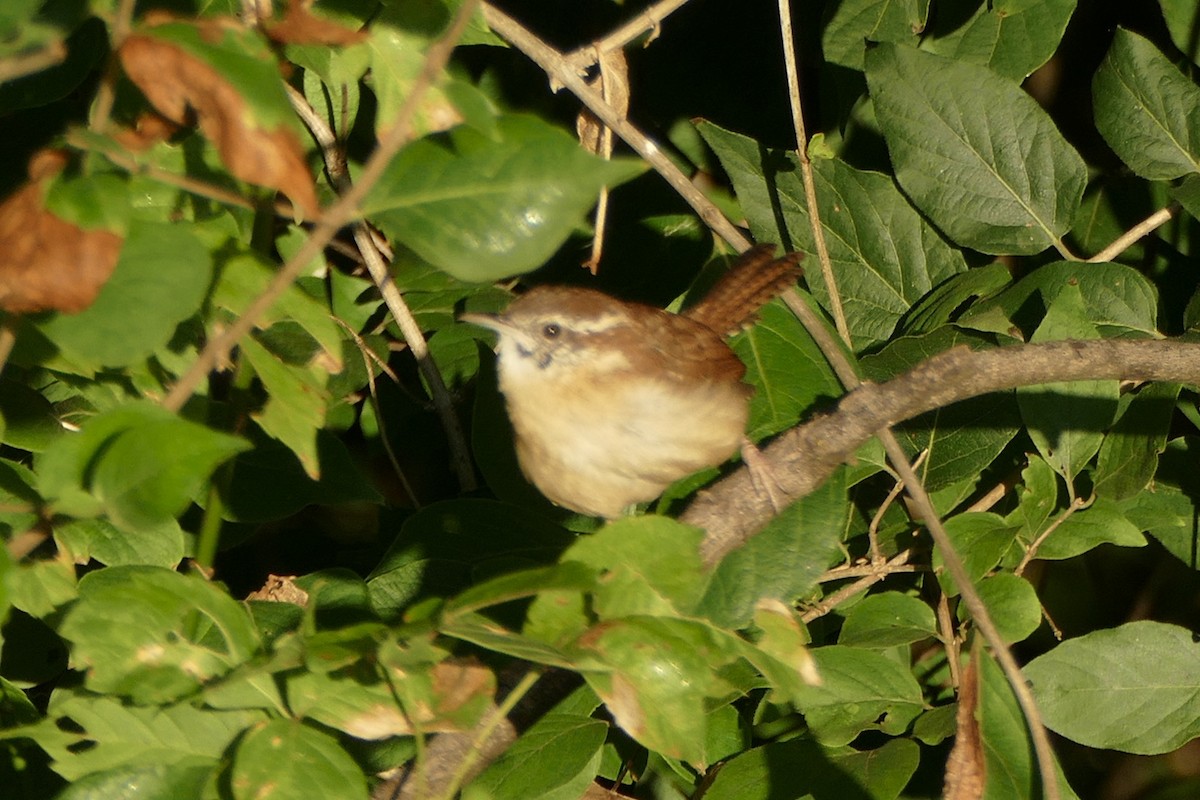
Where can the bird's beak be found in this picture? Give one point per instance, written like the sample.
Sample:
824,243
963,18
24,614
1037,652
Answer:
497,323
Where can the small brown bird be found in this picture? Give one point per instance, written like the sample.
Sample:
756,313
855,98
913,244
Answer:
613,401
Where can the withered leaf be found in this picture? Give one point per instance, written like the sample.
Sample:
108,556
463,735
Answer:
300,26
176,82
48,263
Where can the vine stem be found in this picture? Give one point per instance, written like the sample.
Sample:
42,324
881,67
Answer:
344,210
806,172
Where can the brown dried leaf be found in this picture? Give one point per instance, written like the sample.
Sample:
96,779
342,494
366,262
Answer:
47,263
966,769
300,26
175,82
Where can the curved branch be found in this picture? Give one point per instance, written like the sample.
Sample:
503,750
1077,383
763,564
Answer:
801,459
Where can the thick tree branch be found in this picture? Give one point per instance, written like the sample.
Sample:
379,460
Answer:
801,459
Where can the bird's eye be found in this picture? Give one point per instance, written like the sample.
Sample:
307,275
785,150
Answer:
551,330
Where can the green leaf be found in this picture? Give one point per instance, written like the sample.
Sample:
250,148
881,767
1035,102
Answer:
1102,523
138,462
1167,508
961,439
153,635
284,760
1037,498
1117,300
269,481
649,565
244,277
483,209
884,254
184,780
568,576
556,759
399,39
1129,455
815,771
158,546
1012,603
887,620
1182,17
1012,37
782,561
1009,763
653,674
1067,420
1146,110
861,690
296,403
981,540
146,474
974,152
115,734
854,23
1132,688
29,421
440,548
948,300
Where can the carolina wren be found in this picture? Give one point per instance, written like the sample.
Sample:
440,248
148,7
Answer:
612,401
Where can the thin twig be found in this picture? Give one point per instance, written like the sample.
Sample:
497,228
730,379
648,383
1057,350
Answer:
806,173
1125,240
106,93
860,569
877,519
334,217
1077,504
130,164
989,499
880,571
557,66
950,641
18,66
335,164
648,20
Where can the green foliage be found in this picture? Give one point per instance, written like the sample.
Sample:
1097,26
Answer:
151,480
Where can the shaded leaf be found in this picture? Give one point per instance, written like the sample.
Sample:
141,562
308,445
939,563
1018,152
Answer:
1147,111
974,152
855,23
1012,37
884,254
1067,420
164,272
